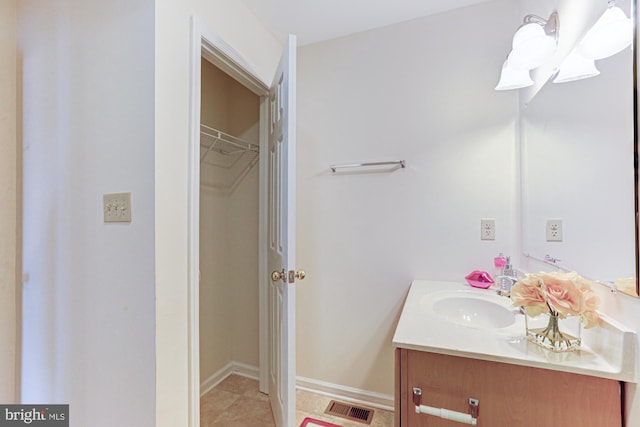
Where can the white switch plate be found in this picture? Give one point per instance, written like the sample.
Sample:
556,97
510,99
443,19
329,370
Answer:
488,229
554,230
117,207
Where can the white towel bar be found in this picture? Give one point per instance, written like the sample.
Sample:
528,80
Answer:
446,414
471,418
401,163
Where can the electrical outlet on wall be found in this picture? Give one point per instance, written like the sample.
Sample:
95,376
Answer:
554,230
117,207
488,229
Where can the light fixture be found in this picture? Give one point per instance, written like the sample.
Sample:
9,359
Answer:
576,67
609,35
533,44
513,78
612,33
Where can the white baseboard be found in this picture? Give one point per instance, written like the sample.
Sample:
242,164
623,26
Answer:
335,391
237,368
347,394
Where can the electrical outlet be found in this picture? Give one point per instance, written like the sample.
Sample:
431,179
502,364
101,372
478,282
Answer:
554,230
488,229
117,207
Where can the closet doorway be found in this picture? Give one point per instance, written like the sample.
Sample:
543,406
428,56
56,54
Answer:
235,159
229,221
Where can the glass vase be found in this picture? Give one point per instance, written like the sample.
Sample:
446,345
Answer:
554,333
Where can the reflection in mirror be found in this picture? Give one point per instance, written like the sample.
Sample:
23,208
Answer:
577,165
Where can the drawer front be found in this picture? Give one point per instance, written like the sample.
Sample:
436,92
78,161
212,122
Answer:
508,395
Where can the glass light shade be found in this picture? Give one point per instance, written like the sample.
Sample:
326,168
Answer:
610,34
531,47
513,78
526,33
576,67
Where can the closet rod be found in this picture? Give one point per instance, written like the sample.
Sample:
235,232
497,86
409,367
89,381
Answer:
229,139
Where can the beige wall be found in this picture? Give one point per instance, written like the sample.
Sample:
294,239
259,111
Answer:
238,27
228,232
9,236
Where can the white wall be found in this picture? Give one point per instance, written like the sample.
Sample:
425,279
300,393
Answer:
89,312
9,236
234,23
420,91
88,79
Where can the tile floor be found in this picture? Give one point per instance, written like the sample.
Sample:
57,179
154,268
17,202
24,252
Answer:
237,402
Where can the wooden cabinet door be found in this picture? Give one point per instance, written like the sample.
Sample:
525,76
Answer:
509,395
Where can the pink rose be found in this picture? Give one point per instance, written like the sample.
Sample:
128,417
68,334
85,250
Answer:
563,296
533,279
528,294
590,319
591,300
566,294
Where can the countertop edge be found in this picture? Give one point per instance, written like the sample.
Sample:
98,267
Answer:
572,367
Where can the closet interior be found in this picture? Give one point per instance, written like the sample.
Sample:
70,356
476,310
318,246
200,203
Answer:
229,183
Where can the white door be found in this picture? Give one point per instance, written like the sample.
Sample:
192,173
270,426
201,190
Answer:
282,238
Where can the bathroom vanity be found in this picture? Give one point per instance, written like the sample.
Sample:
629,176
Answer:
464,350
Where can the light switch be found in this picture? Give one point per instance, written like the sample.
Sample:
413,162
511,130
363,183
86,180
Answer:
117,207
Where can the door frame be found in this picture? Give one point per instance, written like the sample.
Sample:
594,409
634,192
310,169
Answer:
210,46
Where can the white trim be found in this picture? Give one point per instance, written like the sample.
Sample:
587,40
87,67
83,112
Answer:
231,368
335,391
347,394
263,267
193,255
221,54
205,43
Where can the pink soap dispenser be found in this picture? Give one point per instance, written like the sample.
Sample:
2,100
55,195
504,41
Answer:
499,263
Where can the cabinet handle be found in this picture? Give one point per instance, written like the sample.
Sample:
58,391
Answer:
446,414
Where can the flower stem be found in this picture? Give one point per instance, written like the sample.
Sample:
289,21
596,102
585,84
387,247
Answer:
553,330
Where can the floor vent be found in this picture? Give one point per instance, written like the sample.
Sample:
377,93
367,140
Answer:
349,412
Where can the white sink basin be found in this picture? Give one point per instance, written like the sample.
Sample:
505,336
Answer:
453,318
484,310
473,312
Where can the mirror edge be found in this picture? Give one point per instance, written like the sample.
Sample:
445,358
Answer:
634,47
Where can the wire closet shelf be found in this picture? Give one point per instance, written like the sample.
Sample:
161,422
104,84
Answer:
225,151
212,139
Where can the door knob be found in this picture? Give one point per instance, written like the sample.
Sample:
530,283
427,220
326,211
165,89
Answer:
292,275
297,274
279,275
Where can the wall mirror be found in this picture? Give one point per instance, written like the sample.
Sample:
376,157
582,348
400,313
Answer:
578,159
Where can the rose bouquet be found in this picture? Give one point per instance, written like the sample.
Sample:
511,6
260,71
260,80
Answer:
559,294
566,299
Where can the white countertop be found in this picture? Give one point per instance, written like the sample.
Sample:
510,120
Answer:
607,351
